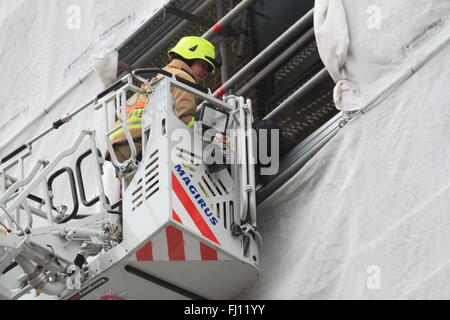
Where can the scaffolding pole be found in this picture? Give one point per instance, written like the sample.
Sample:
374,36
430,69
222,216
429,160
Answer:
287,36
300,93
302,41
224,73
215,30
170,35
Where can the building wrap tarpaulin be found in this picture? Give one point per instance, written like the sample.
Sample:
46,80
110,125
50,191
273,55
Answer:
368,216
47,50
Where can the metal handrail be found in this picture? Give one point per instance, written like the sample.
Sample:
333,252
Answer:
12,189
251,163
41,176
243,157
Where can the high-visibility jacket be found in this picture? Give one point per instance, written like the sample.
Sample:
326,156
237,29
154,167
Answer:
185,108
134,110
134,124
137,101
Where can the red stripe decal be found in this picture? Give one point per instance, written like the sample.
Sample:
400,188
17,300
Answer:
176,217
208,253
192,210
175,244
146,253
219,92
217,27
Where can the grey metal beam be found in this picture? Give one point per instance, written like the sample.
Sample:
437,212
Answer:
298,157
215,30
224,73
188,16
276,62
301,92
285,38
170,35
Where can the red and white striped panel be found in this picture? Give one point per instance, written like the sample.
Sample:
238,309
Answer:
188,213
174,245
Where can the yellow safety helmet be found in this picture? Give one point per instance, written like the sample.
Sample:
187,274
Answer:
192,48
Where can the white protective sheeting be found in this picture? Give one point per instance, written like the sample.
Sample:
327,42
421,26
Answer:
368,216
47,49
365,44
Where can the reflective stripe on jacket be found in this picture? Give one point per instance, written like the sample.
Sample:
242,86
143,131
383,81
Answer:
134,123
185,109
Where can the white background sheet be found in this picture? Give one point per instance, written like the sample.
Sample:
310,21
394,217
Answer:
368,216
45,48
365,44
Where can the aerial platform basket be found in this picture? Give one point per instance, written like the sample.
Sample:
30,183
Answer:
188,223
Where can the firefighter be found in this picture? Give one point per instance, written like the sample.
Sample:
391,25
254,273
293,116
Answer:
192,59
